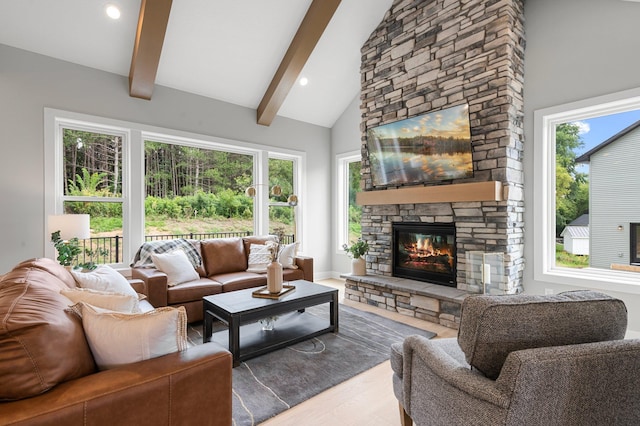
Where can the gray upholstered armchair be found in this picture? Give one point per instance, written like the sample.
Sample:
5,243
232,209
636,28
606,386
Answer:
524,360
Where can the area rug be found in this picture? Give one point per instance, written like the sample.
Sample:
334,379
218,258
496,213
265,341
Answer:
269,384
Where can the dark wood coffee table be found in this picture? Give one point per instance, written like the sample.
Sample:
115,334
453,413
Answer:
240,312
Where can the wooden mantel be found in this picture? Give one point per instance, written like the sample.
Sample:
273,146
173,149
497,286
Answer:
461,192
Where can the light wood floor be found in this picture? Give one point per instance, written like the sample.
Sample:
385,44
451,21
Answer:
366,399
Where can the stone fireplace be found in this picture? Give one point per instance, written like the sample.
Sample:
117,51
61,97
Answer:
423,57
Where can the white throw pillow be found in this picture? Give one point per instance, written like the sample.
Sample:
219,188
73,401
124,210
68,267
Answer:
113,301
287,256
116,338
259,258
104,278
176,265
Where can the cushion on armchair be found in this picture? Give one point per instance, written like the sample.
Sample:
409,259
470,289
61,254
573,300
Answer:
491,326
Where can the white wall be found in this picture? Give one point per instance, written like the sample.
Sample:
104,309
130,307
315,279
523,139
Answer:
345,137
31,82
576,49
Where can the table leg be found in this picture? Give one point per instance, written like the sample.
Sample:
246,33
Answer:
207,326
333,312
234,339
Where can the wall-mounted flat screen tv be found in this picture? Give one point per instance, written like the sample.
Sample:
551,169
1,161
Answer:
428,148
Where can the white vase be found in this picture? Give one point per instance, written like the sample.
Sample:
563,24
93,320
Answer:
274,277
358,266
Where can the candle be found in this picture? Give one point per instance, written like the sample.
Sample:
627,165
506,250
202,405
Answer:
486,273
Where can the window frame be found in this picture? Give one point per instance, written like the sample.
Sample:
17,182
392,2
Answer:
545,121
295,188
342,197
133,187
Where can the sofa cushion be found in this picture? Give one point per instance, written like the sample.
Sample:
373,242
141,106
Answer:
287,255
117,338
51,267
240,280
42,344
257,239
103,299
223,255
104,278
193,290
176,265
259,258
292,274
491,327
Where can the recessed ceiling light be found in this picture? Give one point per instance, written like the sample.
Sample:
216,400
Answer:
113,12
303,81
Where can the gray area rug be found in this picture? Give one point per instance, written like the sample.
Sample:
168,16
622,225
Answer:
269,384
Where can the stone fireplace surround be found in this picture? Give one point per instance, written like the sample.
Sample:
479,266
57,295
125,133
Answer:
426,56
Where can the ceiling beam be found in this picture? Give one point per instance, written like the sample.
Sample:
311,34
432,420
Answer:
152,26
303,43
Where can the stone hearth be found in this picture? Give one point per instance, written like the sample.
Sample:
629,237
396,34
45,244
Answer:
430,302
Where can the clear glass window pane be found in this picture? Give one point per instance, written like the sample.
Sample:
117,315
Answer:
595,192
106,241
196,192
92,164
355,211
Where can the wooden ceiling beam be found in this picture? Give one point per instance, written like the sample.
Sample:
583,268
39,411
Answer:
152,27
313,25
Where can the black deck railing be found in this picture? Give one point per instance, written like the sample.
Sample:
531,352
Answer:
113,245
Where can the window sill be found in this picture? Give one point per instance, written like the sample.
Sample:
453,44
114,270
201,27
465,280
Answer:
593,278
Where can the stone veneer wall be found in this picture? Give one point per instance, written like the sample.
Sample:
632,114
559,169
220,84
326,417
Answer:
430,55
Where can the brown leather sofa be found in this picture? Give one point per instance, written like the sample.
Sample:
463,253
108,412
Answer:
48,375
224,268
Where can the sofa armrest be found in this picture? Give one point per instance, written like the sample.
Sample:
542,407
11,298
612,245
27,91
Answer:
139,286
306,265
156,284
422,353
189,387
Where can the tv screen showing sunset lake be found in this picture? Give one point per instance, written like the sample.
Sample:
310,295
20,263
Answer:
430,147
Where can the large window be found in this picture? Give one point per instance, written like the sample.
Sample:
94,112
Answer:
349,212
283,198
140,183
585,191
196,192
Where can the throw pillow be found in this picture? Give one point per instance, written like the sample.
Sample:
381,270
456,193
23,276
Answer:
287,256
176,265
116,338
259,258
103,299
142,259
104,278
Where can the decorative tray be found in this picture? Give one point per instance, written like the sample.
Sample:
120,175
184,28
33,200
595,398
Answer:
264,293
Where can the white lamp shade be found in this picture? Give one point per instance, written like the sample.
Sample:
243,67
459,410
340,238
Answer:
70,226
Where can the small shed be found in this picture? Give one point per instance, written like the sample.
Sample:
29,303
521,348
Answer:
575,236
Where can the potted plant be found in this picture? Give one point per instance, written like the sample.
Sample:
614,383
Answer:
357,250
68,250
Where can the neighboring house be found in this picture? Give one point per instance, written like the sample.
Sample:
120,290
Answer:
613,179
575,236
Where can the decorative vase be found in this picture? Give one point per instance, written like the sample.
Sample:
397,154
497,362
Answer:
358,266
274,277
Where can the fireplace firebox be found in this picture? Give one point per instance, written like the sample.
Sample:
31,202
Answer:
425,252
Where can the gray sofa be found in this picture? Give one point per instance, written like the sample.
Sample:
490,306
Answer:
524,360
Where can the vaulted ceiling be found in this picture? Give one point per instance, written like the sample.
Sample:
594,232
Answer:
244,52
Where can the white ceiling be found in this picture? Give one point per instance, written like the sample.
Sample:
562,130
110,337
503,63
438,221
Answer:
223,49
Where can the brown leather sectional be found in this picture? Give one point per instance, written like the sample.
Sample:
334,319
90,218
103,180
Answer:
48,375
225,263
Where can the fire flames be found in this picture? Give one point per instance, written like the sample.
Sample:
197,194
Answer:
424,251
